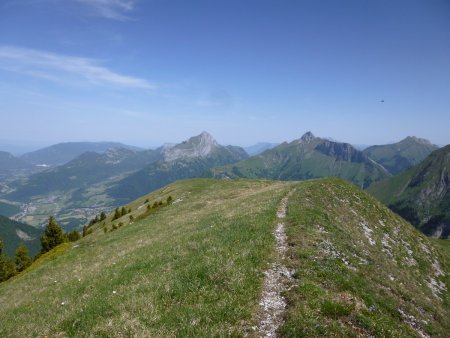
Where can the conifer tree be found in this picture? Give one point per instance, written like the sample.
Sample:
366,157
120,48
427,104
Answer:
102,216
53,235
117,214
23,261
124,211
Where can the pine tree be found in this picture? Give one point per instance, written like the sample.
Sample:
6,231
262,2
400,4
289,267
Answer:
124,211
23,261
117,214
53,235
102,216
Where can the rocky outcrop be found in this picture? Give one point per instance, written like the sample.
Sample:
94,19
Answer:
341,151
197,146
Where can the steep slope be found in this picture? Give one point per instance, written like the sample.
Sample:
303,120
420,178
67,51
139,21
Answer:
62,153
195,268
192,158
421,194
398,157
308,157
9,163
360,269
14,233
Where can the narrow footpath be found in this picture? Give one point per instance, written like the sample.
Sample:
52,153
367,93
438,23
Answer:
277,280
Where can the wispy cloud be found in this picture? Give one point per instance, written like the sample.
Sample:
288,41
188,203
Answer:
65,69
110,9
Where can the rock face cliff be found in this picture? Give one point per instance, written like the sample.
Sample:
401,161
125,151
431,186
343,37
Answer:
421,194
197,146
341,151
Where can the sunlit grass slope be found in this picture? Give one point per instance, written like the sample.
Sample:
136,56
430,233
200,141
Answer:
194,267
360,269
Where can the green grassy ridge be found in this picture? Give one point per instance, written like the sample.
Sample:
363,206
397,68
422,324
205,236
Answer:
192,268
195,268
345,286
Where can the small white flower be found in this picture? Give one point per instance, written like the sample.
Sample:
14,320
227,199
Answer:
63,303
114,292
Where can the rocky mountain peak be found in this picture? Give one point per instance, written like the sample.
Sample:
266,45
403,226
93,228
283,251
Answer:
197,146
307,137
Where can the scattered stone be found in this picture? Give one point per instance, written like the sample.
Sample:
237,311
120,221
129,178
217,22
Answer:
413,322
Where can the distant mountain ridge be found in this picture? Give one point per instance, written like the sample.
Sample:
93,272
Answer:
86,169
398,157
308,157
421,194
62,153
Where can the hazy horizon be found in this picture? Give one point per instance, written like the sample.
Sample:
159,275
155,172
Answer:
149,72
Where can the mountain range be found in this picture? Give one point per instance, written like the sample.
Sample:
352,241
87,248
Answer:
306,158
421,194
99,181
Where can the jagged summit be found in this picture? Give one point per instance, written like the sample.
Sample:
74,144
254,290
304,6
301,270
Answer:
307,137
196,146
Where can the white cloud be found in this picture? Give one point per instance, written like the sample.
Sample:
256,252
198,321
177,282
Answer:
110,9
65,69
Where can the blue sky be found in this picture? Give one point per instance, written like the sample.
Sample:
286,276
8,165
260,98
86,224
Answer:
153,71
